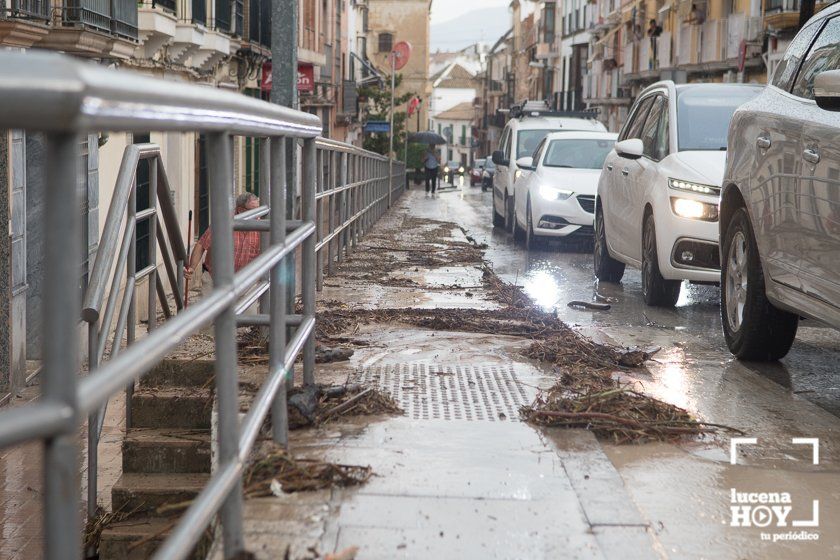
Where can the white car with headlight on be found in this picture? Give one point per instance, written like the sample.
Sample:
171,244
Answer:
555,193
657,204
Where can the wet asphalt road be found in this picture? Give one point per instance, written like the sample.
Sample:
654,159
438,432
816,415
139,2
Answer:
557,274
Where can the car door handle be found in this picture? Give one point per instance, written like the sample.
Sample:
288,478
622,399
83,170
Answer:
763,142
811,156
609,167
625,172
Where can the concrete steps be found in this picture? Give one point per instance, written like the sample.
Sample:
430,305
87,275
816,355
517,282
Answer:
142,494
171,407
137,539
166,458
156,450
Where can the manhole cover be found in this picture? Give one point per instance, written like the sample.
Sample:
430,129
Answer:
449,392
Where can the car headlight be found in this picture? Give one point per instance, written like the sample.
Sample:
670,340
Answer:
460,170
694,209
690,186
446,169
553,193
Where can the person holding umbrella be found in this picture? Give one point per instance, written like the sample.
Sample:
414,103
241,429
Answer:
431,163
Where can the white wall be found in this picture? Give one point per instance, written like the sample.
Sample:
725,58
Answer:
444,99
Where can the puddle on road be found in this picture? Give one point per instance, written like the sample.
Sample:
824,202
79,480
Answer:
687,501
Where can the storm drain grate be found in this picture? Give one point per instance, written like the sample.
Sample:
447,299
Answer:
458,392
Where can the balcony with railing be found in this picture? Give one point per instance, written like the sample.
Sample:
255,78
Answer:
686,44
712,46
157,25
26,9
23,22
784,14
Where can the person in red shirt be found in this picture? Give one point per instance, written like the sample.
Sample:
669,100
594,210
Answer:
246,246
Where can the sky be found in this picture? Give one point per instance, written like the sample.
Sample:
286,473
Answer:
445,10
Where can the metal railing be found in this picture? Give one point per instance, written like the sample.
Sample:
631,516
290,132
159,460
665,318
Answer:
64,99
34,9
120,234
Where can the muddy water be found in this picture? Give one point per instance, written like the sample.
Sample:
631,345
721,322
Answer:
685,491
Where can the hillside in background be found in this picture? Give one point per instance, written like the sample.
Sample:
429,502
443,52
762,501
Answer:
485,25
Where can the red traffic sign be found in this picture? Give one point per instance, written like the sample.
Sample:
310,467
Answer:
401,54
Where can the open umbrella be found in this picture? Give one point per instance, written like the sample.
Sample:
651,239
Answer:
428,137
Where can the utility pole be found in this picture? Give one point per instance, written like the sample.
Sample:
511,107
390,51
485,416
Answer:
284,75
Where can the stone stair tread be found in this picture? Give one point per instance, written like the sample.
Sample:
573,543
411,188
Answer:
180,373
162,482
166,450
164,436
122,540
141,527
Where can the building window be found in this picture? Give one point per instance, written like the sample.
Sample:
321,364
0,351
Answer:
386,42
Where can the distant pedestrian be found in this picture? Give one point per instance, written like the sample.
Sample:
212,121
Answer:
431,163
246,246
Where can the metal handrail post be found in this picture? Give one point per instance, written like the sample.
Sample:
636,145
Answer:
342,208
131,277
62,304
220,173
308,273
152,307
331,207
319,218
265,197
277,293
93,423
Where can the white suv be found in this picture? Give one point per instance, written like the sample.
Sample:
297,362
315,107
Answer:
520,138
657,203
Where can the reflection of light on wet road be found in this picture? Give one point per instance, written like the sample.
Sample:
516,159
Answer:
542,287
672,386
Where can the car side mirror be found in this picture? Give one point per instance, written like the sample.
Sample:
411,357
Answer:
499,158
827,90
630,149
526,163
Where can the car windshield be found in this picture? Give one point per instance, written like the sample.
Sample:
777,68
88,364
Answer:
578,153
528,140
704,112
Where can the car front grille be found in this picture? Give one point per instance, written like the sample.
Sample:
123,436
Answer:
587,202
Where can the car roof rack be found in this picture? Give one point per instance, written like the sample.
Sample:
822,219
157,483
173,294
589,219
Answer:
527,109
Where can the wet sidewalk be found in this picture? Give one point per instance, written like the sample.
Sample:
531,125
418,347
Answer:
458,476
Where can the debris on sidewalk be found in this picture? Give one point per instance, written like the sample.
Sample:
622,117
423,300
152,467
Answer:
312,406
278,472
589,305
253,349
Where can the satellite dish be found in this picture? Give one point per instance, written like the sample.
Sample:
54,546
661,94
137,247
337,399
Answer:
401,54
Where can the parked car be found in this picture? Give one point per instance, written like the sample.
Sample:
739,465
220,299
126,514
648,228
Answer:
487,175
520,138
476,171
780,206
657,205
451,170
555,194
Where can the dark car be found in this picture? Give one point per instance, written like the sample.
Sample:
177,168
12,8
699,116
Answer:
476,171
487,175
450,170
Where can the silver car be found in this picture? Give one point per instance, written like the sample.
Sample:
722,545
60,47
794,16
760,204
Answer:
780,205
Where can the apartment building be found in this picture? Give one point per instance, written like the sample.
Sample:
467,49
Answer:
634,44
393,21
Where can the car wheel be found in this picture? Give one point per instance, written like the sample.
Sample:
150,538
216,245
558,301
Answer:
753,327
531,239
607,268
656,290
510,219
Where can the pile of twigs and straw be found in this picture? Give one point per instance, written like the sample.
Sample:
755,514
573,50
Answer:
278,471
